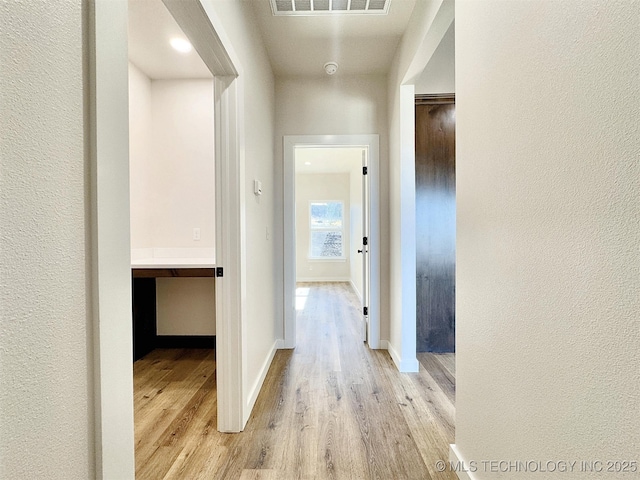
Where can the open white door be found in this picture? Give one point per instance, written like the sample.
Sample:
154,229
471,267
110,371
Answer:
365,246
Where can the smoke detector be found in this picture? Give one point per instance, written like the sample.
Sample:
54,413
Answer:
330,68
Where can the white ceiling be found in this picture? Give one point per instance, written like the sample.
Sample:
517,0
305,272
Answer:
296,45
360,44
328,159
151,27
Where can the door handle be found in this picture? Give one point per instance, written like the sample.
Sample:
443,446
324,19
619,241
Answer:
359,251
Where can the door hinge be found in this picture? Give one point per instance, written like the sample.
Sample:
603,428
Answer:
365,240
219,272
365,310
365,170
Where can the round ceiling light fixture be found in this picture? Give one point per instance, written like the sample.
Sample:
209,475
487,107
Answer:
330,68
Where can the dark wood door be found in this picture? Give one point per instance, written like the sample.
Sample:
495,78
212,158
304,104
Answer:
435,226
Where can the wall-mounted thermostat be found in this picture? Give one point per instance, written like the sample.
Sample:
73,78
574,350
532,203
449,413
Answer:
257,187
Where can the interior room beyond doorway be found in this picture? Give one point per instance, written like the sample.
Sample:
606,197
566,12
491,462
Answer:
328,219
329,215
173,220
172,184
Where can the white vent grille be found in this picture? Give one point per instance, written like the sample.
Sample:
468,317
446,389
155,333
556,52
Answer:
328,7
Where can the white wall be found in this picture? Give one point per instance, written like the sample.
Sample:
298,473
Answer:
439,76
186,306
183,180
46,354
341,105
171,162
313,187
263,253
548,181
141,165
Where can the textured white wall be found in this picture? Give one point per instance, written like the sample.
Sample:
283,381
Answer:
548,266
314,187
341,106
46,360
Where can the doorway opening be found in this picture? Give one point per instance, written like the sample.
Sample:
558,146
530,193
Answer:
331,224
110,246
172,184
172,217
435,223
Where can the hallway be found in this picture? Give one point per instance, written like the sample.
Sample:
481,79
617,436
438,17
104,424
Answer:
331,408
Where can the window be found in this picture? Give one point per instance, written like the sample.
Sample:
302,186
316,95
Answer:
326,230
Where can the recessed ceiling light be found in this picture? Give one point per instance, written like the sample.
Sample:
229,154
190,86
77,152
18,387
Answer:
307,163
181,45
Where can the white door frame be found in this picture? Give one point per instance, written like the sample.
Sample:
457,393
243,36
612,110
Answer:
366,259
204,29
108,120
230,255
108,135
290,144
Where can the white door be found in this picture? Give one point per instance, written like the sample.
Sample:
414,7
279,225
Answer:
365,247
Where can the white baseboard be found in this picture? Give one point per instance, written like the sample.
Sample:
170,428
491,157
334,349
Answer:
394,355
257,385
384,345
406,365
356,291
322,279
456,459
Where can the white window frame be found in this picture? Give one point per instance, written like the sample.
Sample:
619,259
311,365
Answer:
312,229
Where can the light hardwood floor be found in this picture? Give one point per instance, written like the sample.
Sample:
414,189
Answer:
330,409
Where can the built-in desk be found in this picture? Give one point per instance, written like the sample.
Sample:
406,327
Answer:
172,272
144,273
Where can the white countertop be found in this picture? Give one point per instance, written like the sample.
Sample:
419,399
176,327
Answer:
172,258
173,263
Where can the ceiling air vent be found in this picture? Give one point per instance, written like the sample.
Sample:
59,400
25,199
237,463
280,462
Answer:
329,7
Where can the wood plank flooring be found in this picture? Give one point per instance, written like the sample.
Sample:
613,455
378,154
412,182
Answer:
330,409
